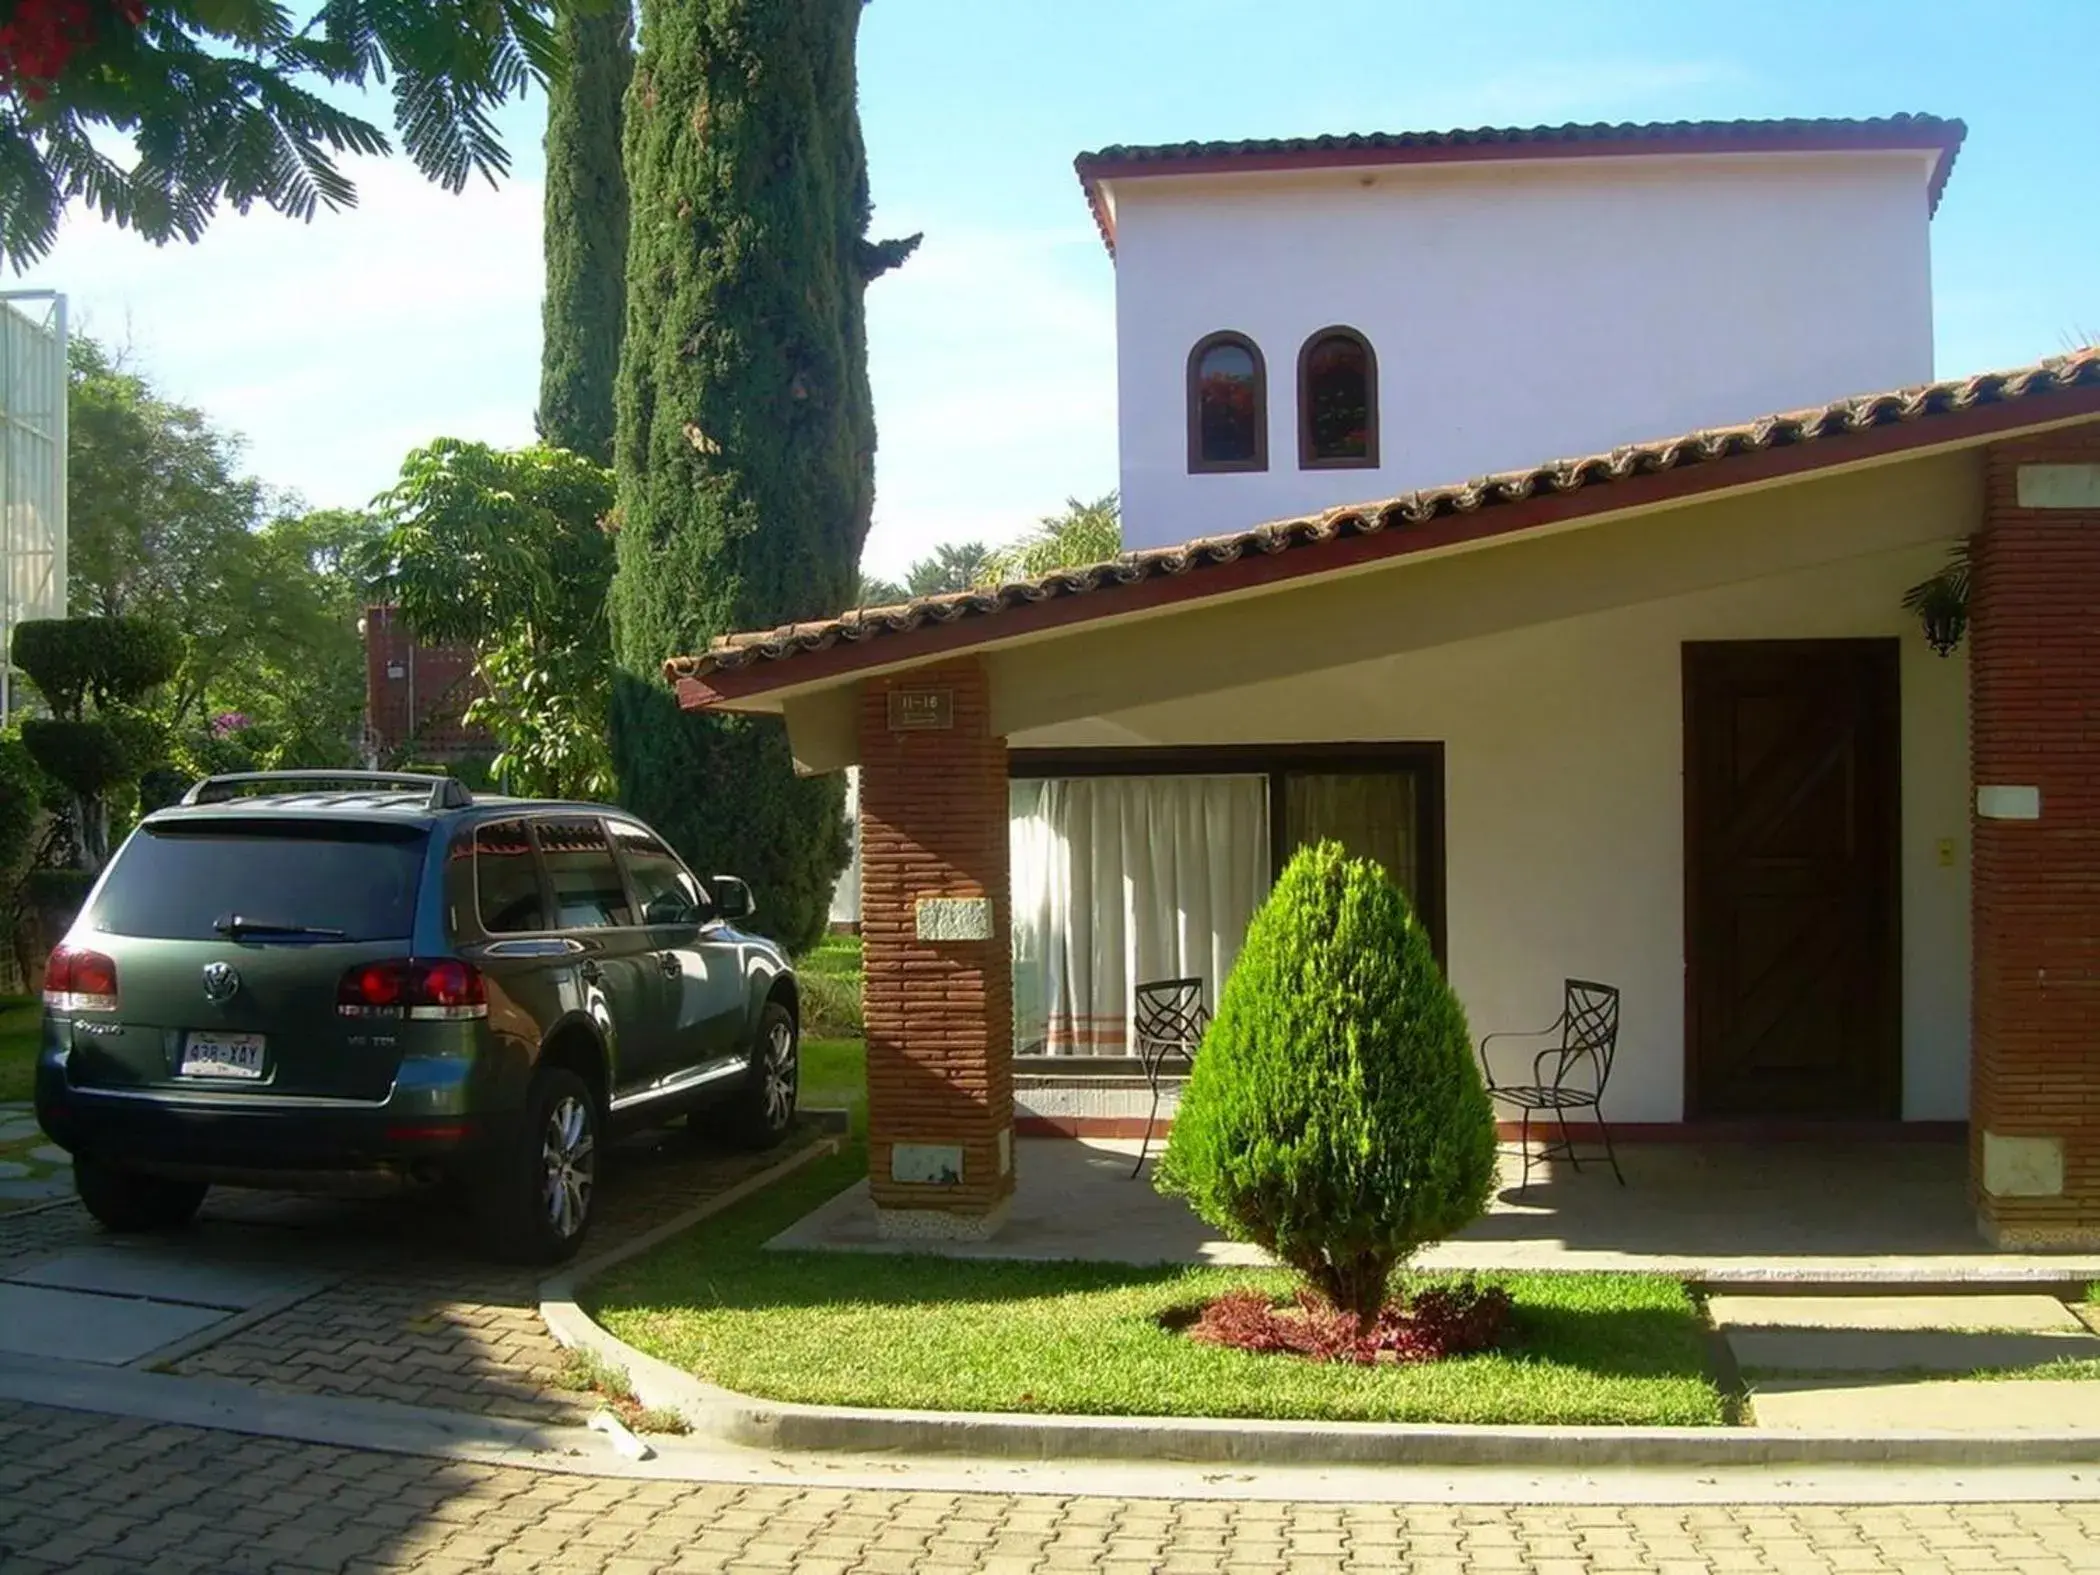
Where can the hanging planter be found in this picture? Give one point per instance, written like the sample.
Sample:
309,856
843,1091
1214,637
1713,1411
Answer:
1942,602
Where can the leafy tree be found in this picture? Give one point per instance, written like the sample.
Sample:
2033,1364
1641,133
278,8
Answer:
94,673
1085,533
156,111
746,436
507,552
1335,1116
586,234
164,526
873,591
954,566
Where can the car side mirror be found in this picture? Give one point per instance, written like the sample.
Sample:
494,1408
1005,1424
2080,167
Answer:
733,898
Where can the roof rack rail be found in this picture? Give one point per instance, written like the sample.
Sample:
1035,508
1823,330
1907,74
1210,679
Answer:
445,792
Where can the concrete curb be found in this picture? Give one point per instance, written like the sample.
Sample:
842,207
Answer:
748,1422
656,1383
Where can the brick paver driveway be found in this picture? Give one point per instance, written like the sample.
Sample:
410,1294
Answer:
85,1493
414,1314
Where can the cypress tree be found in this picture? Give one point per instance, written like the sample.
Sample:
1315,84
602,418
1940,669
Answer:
586,231
746,437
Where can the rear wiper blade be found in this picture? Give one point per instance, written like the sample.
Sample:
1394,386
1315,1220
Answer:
235,926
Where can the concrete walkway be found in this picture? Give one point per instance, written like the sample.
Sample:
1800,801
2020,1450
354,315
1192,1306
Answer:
1727,1214
1852,1364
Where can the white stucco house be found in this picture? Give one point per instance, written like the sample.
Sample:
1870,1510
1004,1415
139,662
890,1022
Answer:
1459,527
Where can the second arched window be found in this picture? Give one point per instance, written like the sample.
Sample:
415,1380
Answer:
1337,401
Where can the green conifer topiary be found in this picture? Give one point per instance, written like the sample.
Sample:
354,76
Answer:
1335,1116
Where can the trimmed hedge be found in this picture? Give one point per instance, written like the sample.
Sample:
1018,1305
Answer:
1335,1116
113,661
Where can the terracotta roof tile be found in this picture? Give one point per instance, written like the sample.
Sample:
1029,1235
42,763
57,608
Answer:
1922,132
1819,424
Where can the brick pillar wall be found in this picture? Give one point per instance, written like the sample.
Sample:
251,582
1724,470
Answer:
2034,676
934,937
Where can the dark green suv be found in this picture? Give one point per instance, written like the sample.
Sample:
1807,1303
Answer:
290,977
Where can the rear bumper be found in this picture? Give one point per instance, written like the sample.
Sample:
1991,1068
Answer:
419,1128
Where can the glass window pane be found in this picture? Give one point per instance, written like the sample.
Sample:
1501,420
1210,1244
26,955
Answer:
506,881
587,890
668,894
1338,399
1228,411
1371,814
178,881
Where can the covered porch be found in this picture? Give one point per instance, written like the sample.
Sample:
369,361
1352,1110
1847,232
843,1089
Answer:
1717,1212
1657,718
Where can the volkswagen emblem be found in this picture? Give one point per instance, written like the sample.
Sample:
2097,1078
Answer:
221,981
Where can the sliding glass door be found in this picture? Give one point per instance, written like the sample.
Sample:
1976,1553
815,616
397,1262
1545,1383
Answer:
1130,866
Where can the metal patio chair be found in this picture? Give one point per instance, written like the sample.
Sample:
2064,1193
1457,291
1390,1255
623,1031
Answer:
1169,1025
1567,1075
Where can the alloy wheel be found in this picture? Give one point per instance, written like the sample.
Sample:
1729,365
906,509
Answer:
569,1166
780,1075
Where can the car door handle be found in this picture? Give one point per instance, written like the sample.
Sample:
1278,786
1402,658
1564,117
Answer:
668,961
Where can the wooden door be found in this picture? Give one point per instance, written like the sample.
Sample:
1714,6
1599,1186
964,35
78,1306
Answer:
1793,1001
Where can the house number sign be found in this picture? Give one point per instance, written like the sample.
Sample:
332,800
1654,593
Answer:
921,710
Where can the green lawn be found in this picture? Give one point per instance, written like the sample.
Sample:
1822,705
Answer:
952,1334
834,1075
18,1039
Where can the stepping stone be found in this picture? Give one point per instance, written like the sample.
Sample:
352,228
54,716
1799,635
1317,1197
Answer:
19,1131
184,1272
2031,1314
107,1329
51,1154
39,1189
9,1170
2035,1405
1899,1334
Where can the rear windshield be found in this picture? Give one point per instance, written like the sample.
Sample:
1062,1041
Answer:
188,881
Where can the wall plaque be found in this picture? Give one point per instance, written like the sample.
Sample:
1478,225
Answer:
953,918
927,1164
921,710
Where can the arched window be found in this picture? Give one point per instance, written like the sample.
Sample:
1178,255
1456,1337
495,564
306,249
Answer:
1228,405
1337,402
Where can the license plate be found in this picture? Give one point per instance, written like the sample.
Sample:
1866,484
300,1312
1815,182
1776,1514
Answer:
222,1055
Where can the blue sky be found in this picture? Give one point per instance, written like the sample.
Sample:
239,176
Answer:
336,347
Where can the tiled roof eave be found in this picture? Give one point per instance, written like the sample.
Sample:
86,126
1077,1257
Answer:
1410,510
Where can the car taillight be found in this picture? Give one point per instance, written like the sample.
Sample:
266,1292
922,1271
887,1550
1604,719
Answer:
444,990
77,980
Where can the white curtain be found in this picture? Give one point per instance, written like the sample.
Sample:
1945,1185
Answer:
1121,880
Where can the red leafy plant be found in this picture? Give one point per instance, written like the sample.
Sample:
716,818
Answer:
39,38
1441,1321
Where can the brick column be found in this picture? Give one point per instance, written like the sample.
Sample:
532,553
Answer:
2034,696
939,994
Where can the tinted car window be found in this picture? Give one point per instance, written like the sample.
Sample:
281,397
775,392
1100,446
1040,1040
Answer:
506,880
668,894
587,890
182,880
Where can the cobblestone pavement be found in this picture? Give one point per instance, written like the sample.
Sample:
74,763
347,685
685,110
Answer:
419,1318
90,1494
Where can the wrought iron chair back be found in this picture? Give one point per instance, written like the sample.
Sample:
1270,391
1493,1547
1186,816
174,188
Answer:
1168,1024
1589,1038
1569,1074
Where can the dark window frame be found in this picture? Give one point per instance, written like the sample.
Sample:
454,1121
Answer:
614,825
550,897
1198,464
539,875
1307,459
1424,760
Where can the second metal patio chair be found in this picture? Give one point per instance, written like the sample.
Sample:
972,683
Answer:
1569,1074
1168,1026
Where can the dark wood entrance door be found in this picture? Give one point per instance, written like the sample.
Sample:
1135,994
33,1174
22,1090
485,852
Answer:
1792,957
